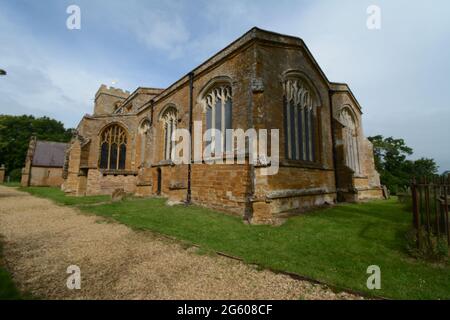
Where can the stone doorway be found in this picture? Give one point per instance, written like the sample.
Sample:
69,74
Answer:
159,182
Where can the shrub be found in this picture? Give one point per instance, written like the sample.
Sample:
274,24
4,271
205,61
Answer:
15,175
431,247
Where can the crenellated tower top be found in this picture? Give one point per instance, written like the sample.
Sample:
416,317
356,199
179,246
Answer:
108,99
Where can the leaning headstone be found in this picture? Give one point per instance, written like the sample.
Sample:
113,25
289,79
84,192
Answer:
118,195
386,192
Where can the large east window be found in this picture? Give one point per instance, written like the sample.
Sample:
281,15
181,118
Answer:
113,148
218,103
169,120
350,141
300,121
144,130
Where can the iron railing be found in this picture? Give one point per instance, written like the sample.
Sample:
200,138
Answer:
430,199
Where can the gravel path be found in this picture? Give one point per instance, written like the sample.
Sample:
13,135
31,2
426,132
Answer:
41,239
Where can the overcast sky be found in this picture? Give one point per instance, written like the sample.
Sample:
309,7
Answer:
400,74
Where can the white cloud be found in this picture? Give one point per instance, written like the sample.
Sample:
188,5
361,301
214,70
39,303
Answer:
399,73
161,30
38,81
157,25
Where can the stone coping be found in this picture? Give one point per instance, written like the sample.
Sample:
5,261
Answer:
118,173
289,193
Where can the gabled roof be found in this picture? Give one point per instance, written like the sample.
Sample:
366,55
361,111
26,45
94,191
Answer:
254,34
49,154
343,87
143,90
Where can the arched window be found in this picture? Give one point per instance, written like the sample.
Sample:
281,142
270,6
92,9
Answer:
300,120
219,105
350,140
144,129
169,119
113,148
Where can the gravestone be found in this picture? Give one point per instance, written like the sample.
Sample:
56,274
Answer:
118,195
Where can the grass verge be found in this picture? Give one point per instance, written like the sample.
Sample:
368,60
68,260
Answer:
334,245
11,184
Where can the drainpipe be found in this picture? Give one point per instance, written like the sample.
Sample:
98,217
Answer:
151,135
248,215
333,141
191,107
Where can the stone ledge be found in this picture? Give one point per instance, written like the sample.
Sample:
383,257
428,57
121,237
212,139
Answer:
368,188
118,173
302,164
289,193
144,184
164,163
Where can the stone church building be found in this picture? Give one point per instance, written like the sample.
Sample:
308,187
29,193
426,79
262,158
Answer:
43,164
262,80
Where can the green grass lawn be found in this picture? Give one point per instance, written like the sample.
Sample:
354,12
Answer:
59,197
11,184
334,245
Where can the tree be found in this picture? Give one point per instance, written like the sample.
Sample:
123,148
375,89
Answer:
395,170
424,167
389,153
15,134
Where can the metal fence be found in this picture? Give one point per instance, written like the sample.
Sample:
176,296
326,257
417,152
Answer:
430,199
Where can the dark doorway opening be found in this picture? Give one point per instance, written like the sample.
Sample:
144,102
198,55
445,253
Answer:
158,190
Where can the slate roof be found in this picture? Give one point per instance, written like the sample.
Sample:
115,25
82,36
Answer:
49,154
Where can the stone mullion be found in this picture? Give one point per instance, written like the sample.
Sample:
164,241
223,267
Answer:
172,130
166,129
350,149
288,114
355,143
213,122
143,141
314,127
358,163
310,139
303,133
353,151
347,148
118,156
296,139
222,122
109,149
169,139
